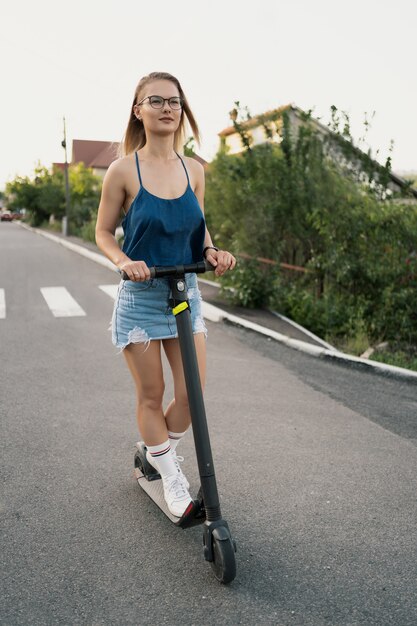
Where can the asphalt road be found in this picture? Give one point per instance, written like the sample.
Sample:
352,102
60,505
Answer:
316,466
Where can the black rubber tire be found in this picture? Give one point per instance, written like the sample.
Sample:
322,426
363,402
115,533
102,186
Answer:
138,462
224,563
146,468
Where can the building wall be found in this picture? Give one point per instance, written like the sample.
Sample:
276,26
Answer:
234,143
99,171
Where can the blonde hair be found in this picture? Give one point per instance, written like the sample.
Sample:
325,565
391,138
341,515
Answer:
135,136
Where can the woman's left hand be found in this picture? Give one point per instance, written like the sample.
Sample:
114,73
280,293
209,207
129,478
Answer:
222,260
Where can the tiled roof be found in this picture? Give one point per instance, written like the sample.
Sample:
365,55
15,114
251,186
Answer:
97,154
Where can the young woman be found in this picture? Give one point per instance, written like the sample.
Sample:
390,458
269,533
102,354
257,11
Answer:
162,197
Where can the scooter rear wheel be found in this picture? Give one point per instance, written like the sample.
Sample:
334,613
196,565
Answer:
142,464
224,562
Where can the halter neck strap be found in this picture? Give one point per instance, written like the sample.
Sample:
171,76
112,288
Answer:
138,168
183,164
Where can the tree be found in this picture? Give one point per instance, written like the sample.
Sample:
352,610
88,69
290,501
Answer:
40,196
44,195
85,195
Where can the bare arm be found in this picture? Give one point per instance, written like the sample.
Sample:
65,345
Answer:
112,199
199,192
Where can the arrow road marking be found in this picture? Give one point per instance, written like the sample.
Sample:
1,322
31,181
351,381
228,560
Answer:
61,302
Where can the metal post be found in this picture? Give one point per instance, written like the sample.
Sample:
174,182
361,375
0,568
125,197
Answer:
67,188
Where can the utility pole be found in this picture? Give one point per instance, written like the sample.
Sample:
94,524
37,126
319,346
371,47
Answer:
67,188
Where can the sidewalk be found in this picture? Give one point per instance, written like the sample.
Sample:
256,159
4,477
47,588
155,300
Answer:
263,317
271,324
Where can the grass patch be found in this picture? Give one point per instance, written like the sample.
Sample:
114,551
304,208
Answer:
401,355
355,345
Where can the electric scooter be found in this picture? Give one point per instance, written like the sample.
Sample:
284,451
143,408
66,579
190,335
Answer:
218,545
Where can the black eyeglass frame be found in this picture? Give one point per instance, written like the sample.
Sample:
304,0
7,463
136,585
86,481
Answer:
163,103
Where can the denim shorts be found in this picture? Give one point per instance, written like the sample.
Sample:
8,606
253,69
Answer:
142,311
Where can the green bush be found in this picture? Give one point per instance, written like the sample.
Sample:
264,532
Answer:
330,316
88,229
249,285
294,204
399,354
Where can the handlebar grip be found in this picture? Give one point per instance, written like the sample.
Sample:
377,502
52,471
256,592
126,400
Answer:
176,270
125,276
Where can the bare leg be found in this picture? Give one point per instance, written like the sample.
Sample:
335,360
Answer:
177,415
145,366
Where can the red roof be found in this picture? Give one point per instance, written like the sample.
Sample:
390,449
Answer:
97,154
100,154
59,166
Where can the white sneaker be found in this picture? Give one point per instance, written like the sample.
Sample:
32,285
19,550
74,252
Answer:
177,461
176,495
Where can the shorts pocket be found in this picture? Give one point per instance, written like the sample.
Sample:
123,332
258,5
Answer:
132,286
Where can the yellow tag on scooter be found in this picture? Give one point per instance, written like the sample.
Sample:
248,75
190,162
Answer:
180,307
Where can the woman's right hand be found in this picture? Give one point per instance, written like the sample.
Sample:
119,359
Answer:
136,270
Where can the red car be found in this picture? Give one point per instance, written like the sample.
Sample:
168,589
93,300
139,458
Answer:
6,216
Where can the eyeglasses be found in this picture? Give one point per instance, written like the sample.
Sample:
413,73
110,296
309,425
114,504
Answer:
157,102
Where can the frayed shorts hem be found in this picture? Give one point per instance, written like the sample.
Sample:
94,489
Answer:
148,341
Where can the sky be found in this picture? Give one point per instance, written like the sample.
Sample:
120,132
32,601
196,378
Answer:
83,59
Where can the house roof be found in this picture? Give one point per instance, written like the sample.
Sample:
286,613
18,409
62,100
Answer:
259,119
97,154
100,154
255,121
60,166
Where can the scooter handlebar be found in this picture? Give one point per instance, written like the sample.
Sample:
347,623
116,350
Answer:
159,271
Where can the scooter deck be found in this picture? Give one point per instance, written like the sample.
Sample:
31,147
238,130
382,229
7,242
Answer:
194,513
155,491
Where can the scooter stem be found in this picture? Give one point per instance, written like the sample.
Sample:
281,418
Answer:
195,400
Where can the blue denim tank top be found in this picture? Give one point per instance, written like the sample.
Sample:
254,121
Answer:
164,231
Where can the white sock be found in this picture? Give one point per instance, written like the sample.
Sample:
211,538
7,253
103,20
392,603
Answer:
162,458
175,438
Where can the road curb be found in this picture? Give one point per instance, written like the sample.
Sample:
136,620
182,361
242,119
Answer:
216,314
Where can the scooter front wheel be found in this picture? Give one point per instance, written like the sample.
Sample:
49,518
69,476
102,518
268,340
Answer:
224,562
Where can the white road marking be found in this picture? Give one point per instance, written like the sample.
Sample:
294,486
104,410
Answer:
111,290
61,302
2,304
